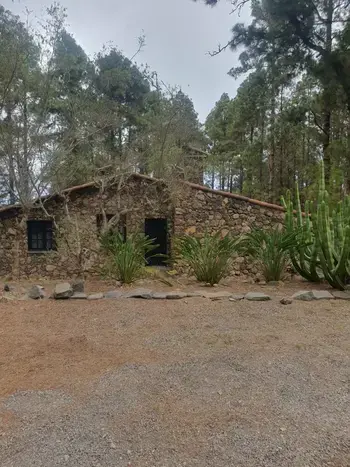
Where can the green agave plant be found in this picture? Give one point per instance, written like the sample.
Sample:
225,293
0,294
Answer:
208,257
127,255
271,250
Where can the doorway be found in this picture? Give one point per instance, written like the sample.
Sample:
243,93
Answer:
157,229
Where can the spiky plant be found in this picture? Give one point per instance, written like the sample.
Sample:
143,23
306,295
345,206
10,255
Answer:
304,256
208,257
323,249
127,257
271,251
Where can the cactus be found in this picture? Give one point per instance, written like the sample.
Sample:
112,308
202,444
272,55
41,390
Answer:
304,258
324,240
333,238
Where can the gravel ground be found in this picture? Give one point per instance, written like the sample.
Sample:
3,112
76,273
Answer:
170,383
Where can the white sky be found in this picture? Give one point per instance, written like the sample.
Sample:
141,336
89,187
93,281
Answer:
179,33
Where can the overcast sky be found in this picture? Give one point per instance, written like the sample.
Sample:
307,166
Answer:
179,33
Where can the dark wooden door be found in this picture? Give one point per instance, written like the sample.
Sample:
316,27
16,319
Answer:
157,229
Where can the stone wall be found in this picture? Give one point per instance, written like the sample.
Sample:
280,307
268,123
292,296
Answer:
201,210
197,210
140,197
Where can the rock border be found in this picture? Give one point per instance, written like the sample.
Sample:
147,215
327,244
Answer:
66,291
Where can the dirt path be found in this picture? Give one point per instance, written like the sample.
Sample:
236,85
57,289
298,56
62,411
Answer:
139,383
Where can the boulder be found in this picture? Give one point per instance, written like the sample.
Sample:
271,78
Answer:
305,295
257,297
341,295
36,292
62,291
96,296
78,285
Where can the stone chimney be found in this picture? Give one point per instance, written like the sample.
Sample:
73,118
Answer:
194,163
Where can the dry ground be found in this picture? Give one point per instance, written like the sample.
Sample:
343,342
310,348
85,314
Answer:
174,383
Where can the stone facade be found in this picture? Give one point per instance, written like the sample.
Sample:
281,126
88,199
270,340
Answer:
204,210
193,210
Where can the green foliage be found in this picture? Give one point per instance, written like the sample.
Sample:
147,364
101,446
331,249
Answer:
208,257
323,250
271,250
127,256
294,105
304,256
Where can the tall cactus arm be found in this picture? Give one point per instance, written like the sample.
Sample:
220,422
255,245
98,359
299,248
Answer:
323,228
341,270
299,210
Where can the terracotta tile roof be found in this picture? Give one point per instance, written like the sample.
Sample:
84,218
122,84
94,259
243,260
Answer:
203,188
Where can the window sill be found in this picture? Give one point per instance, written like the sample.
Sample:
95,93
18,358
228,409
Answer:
41,252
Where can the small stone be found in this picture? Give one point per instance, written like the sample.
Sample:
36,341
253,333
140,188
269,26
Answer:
50,268
11,231
36,292
78,285
257,297
176,295
305,295
240,259
96,296
194,294
217,295
341,295
139,293
113,294
236,298
62,291
159,295
66,458
322,295
286,301
7,299
79,296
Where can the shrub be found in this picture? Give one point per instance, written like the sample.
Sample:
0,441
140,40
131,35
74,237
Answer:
127,256
271,250
208,257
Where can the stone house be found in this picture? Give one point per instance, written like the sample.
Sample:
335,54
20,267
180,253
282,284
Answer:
59,235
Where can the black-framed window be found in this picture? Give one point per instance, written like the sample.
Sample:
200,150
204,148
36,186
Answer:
120,227
40,236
